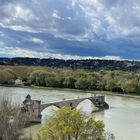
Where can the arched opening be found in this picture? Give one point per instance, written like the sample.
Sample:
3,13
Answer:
87,106
47,112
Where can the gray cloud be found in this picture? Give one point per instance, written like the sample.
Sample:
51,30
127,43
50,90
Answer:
37,16
74,27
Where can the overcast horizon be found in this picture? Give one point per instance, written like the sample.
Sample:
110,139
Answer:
70,29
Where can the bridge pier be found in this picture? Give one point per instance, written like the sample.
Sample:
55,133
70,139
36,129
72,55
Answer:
33,108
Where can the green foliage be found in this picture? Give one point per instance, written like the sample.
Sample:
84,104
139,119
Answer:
69,82
38,77
115,81
7,76
67,124
130,86
92,81
52,80
82,83
111,85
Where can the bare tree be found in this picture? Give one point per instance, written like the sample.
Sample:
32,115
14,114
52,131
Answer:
11,120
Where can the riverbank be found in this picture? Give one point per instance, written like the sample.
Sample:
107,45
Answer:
128,95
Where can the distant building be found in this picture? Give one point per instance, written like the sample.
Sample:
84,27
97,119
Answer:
18,82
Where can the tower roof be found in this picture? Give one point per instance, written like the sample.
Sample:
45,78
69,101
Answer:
28,96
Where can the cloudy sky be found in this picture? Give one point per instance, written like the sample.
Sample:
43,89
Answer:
106,29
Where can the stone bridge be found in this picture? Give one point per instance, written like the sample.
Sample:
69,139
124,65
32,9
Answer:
33,108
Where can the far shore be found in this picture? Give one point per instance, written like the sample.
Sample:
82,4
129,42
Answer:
128,95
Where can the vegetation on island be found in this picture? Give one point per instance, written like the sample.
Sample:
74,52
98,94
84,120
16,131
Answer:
114,81
67,124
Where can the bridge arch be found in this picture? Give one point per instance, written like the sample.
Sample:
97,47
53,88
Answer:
84,100
86,106
46,112
96,102
45,106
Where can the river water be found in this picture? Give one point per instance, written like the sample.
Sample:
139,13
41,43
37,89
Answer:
122,119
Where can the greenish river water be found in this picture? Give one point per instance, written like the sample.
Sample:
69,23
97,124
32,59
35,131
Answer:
122,119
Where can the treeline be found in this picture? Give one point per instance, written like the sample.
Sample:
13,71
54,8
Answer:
115,81
88,64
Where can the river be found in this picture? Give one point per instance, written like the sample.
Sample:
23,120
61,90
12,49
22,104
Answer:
122,119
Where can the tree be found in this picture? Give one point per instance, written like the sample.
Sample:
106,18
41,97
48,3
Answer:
22,72
130,86
11,121
111,85
92,81
6,77
51,81
67,124
82,83
11,72
38,77
69,82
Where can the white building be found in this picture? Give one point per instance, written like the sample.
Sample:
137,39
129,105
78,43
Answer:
18,82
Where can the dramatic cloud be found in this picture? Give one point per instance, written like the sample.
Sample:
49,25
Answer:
105,29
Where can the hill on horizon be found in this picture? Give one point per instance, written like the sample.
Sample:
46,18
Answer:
89,64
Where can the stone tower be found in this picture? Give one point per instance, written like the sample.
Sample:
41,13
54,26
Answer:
32,108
